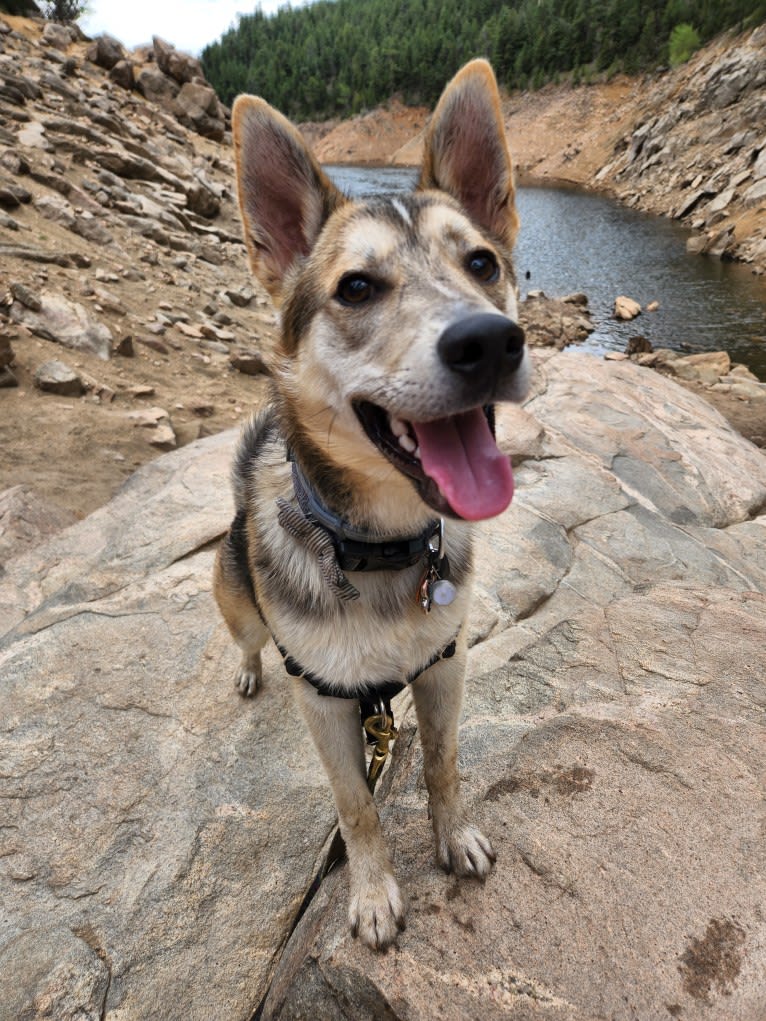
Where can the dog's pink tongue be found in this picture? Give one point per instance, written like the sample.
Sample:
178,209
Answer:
460,454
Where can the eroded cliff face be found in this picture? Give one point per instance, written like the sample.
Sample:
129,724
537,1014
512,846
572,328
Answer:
688,143
697,150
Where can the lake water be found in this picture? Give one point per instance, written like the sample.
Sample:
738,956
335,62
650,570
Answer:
574,241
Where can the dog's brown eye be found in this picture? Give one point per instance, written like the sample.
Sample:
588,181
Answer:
355,289
483,265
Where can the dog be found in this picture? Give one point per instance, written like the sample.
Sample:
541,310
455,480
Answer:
357,489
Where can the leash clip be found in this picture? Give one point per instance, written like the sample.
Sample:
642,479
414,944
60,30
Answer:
380,727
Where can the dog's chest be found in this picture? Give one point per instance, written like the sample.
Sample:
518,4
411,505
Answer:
368,641
383,635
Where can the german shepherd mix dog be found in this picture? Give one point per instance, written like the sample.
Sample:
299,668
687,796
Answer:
356,490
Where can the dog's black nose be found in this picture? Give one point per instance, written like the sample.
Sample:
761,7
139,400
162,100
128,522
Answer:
482,345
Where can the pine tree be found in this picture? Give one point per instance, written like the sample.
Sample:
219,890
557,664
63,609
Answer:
62,10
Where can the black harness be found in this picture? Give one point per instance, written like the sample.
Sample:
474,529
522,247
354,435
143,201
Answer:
371,696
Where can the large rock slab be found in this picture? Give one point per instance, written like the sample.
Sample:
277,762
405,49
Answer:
143,859
618,767
159,835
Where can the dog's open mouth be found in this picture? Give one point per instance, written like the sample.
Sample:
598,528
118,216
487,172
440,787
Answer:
454,461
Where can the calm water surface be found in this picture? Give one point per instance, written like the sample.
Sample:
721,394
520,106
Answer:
572,241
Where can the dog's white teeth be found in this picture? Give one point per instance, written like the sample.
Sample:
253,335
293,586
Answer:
407,443
416,453
398,427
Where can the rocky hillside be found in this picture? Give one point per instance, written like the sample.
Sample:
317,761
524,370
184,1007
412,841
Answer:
126,305
687,143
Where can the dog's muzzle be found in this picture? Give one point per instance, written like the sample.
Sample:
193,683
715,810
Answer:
453,459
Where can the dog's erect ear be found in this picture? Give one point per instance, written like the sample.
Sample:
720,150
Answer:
284,196
466,153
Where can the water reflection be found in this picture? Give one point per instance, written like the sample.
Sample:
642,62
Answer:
573,241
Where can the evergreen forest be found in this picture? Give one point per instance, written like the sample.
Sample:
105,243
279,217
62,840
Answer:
338,57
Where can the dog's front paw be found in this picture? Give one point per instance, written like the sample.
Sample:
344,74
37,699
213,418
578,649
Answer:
463,849
376,913
248,676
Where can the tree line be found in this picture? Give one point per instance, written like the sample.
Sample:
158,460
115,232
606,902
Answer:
338,57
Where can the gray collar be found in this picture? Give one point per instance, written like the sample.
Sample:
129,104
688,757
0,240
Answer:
357,550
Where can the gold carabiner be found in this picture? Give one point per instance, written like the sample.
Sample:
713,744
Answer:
380,727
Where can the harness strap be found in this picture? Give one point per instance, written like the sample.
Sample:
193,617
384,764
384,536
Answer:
370,696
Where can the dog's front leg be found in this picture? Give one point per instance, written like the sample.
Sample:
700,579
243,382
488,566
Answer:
460,847
376,911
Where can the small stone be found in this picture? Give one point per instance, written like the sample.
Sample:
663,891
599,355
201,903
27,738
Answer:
243,296
8,222
57,209
705,367
6,352
194,331
639,345
147,418
58,36
578,298
163,437
155,344
105,51
58,378
15,163
650,360
626,308
123,74
124,347
65,322
747,390
212,333
250,363
8,198
202,410
27,297
652,306
32,135
134,275
741,372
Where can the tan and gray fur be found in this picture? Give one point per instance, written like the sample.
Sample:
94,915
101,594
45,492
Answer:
303,238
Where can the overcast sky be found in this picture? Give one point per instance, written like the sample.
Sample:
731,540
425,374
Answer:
188,24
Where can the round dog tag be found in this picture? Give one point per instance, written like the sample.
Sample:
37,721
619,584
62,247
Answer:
443,592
